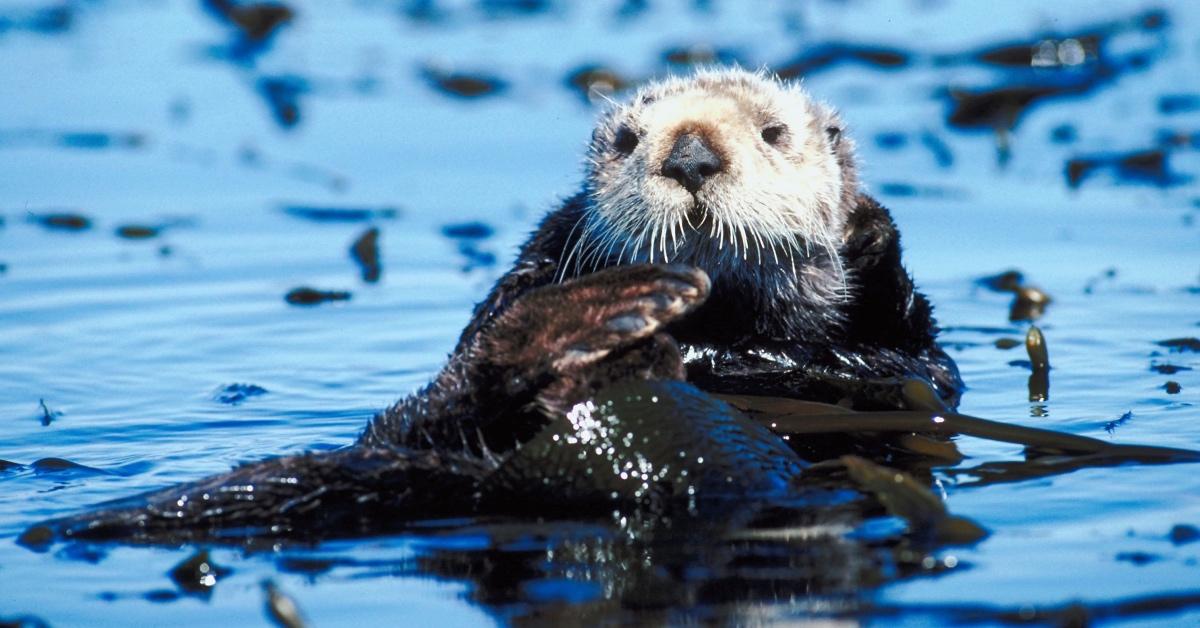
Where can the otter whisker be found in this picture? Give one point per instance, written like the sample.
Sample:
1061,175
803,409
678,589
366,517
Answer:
562,265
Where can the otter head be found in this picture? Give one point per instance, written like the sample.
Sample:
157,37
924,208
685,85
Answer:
723,170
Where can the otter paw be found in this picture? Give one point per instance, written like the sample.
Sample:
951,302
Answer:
564,327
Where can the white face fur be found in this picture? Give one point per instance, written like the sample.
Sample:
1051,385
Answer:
781,194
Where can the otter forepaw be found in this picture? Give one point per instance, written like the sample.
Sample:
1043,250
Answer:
564,327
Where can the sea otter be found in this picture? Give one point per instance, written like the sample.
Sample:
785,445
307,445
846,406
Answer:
720,243
752,187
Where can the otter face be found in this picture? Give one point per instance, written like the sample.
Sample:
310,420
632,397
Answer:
724,168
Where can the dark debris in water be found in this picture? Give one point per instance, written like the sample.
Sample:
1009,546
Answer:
341,214
233,394
699,54
255,21
500,9
1029,303
81,140
1112,426
1006,281
62,221
470,236
48,416
828,55
1039,364
909,190
281,609
365,252
1069,615
593,82
22,621
1142,166
1182,534
198,574
282,95
464,85
138,232
253,26
1172,387
1171,104
1138,558
305,295
1179,345
1168,369
468,231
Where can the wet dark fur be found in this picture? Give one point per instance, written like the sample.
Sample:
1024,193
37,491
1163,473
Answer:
750,335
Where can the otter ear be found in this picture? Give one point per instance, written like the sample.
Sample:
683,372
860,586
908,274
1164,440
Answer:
835,135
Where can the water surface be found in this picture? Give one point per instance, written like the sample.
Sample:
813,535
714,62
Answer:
160,114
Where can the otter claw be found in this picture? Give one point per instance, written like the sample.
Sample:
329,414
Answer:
582,321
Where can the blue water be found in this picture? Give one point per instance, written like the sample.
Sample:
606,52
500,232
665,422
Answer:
132,341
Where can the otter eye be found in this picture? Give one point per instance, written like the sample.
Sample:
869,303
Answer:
835,135
772,134
625,141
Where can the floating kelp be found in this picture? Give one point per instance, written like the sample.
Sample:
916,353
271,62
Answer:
1069,614
51,20
81,140
198,574
1182,534
594,83
62,221
1006,281
468,86
255,21
1171,104
281,608
365,252
341,214
1179,345
469,235
698,54
282,95
1039,362
1169,369
233,394
1111,426
138,232
254,25
1056,450
1029,302
904,497
824,56
47,415
1146,166
312,296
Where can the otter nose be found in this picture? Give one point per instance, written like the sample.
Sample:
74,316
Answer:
691,162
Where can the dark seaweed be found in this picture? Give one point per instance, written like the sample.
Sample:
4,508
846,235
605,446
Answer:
312,296
341,214
1179,345
233,394
365,252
